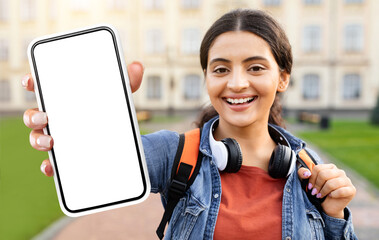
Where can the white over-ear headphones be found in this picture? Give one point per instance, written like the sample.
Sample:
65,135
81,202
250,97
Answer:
228,156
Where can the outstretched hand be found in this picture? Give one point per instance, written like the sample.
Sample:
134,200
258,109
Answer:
327,180
37,120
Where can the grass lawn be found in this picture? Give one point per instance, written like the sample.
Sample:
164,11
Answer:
355,143
28,201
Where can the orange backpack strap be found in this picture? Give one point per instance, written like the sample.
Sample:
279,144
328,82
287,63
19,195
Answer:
185,168
306,160
187,154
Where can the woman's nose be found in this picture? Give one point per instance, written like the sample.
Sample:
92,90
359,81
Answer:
238,81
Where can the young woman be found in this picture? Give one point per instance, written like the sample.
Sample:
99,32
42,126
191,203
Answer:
247,61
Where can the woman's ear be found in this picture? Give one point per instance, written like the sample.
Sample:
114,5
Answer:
284,81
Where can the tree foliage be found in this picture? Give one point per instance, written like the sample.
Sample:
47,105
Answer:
375,114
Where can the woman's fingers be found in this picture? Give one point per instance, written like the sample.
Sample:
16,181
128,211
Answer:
27,82
46,168
35,119
304,173
333,185
135,72
40,141
315,172
343,192
328,181
325,175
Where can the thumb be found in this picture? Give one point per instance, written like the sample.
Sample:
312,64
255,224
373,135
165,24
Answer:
304,173
135,72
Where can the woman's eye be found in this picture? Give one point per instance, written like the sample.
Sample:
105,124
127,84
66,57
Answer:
256,68
220,70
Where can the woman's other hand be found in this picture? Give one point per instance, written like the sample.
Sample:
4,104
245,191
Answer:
327,180
37,120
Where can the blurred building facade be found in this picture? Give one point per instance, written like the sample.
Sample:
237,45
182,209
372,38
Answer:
335,47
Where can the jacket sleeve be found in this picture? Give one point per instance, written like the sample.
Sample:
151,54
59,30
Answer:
160,149
336,228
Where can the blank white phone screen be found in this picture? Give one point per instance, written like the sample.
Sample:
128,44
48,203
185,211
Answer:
96,154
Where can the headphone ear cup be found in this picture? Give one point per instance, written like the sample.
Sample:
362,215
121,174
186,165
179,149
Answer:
280,162
234,155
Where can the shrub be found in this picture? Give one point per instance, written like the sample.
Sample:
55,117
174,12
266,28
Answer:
375,114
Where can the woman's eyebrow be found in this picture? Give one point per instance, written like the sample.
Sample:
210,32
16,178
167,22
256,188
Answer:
254,58
219,60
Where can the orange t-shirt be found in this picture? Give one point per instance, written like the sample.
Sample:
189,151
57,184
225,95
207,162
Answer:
251,205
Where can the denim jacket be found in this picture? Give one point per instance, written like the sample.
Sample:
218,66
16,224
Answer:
196,213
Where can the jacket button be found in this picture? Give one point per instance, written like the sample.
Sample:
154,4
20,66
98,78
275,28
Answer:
288,238
215,196
288,190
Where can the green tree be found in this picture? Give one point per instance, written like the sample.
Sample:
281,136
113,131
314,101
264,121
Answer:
375,114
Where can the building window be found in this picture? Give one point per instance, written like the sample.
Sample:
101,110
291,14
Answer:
80,5
191,41
312,38
192,87
353,1
311,86
154,41
124,39
5,91
4,50
53,9
154,4
312,2
353,38
154,87
190,4
117,4
25,44
272,2
4,10
28,10
351,86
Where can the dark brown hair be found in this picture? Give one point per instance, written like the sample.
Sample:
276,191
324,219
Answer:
262,25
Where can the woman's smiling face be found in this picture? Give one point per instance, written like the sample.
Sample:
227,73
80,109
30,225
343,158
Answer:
242,78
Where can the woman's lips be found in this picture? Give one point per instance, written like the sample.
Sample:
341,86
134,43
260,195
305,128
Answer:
239,104
240,100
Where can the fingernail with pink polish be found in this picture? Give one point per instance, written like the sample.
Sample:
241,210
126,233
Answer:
314,191
307,174
318,195
39,118
44,141
24,81
43,168
310,186
26,119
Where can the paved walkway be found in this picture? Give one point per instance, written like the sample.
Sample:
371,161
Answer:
140,221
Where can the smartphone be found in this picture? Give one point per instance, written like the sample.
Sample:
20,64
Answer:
82,84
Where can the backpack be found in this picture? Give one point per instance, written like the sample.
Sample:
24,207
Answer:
187,164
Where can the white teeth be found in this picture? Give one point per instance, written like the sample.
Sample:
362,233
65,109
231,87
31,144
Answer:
239,100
